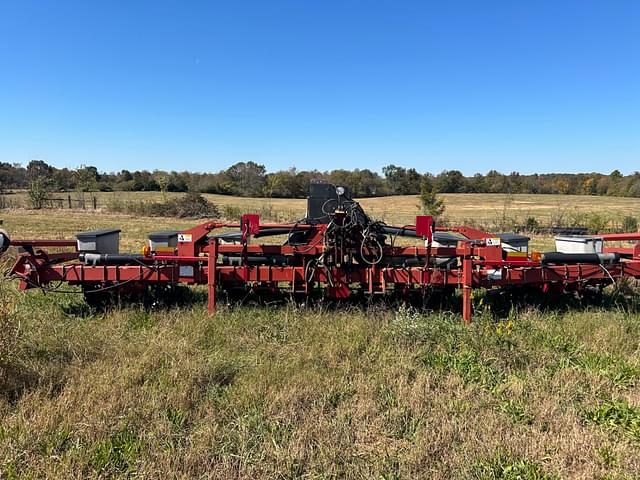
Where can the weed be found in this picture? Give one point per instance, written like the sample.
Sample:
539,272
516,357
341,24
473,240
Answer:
617,370
504,328
608,457
467,365
117,454
505,467
616,416
403,423
516,411
387,398
56,442
176,417
391,468
337,397
10,471
221,374
177,421
141,320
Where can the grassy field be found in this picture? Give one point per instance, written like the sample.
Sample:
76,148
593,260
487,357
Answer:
292,392
470,208
497,211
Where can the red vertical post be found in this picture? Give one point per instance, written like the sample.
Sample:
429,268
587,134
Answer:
211,275
467,283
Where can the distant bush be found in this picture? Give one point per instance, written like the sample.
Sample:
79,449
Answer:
191,205
531,224
231,211
597,222
629,224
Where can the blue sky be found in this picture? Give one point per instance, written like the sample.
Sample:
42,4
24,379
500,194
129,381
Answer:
536,86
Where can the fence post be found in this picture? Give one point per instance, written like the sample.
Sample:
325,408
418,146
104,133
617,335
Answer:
69,200
95,203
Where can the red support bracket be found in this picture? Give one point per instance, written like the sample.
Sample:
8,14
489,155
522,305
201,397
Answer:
250,225
212,261
424,227
467,284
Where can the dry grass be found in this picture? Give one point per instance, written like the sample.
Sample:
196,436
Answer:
481,208
65,224
470,209
491,208
290,392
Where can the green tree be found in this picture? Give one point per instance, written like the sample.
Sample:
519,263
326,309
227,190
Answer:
451,181
39,175
38,192
247,178
430,203
394,176
86,180
615,179
39,169
163,182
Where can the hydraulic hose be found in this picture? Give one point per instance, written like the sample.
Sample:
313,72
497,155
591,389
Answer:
558,258
110,258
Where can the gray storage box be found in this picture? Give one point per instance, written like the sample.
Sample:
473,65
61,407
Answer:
166,239
445,240
578,244
513,242
99,241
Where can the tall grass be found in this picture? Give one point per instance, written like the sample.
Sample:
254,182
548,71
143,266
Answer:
294,392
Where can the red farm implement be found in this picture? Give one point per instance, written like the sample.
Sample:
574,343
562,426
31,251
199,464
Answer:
336,250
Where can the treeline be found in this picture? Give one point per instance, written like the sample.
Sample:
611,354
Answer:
252,179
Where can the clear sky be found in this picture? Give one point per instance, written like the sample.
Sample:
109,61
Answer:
532,86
